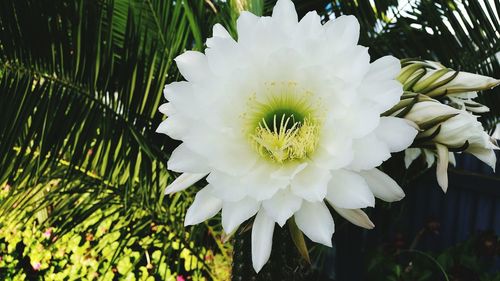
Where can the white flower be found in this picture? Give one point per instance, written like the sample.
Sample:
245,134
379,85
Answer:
462,132
282,119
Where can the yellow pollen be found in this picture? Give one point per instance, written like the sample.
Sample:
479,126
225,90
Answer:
286,141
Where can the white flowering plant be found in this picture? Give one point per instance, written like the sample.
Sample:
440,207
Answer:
440,101
283,123
293,118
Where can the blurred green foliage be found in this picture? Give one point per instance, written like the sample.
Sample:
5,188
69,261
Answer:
28,252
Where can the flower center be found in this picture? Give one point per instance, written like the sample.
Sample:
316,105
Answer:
284,138
282,116
285,127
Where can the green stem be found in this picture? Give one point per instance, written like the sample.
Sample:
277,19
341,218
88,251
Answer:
431,258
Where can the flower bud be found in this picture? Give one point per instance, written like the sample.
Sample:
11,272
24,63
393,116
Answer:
445,129
456,88
434,79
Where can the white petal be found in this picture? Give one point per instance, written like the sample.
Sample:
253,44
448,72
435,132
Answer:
430,157
193,66
410,155
352,66
349,190
226,187
174,126
315,220
486,155
288,172
333,156
234,213
166,109
397,133
183,181
262,240
355,216
360,122
442,166
384,68
220,31
232,155
284,12
282,63
451,159
310,25
181,92
245,24
383,186
205,206
384,93
261,185
369,152
343,32
236,160
182,97
282,206
185,160
311,183
222,55
163,127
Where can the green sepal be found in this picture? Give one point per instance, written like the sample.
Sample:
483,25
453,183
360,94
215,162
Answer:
435,121
408,107
460,148
405,101
424,85
298,239
430,137
430,92
409,61
408,85
408,71
408,95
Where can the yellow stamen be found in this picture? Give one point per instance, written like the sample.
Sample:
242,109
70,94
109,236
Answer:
287,141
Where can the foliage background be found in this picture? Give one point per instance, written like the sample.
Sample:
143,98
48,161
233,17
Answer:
80,84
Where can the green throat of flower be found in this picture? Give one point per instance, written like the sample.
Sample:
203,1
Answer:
284,129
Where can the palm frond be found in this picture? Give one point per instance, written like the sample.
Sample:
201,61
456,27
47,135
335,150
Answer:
79,88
